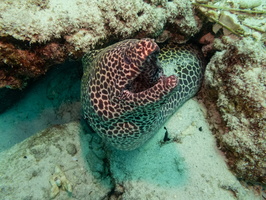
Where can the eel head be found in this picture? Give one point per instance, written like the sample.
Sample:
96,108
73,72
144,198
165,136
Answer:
145,81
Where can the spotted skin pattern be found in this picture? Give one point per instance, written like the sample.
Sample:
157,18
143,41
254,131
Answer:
125,95
188,64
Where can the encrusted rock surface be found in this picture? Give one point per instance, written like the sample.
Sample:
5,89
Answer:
236,82
36,34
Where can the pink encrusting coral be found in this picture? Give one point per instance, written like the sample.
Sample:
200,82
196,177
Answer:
18,65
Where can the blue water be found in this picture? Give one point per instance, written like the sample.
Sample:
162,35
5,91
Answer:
53,99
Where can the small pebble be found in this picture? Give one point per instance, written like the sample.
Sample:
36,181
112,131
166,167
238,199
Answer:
71,149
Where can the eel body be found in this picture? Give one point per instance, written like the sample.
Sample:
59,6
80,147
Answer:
125,94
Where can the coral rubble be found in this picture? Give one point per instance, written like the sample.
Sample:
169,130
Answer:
236,80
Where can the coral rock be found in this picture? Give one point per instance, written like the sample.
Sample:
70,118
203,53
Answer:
236,80
47,32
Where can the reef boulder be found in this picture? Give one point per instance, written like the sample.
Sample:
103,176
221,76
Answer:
236,82
44,33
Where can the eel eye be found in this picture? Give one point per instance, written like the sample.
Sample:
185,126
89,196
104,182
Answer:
127,60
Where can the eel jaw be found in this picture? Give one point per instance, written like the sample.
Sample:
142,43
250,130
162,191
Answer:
150,82
150,76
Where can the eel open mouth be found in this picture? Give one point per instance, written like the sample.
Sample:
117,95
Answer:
152,71
152,74
151,82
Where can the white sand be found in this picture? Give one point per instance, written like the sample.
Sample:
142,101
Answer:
191,168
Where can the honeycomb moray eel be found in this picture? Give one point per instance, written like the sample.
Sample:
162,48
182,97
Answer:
125,94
